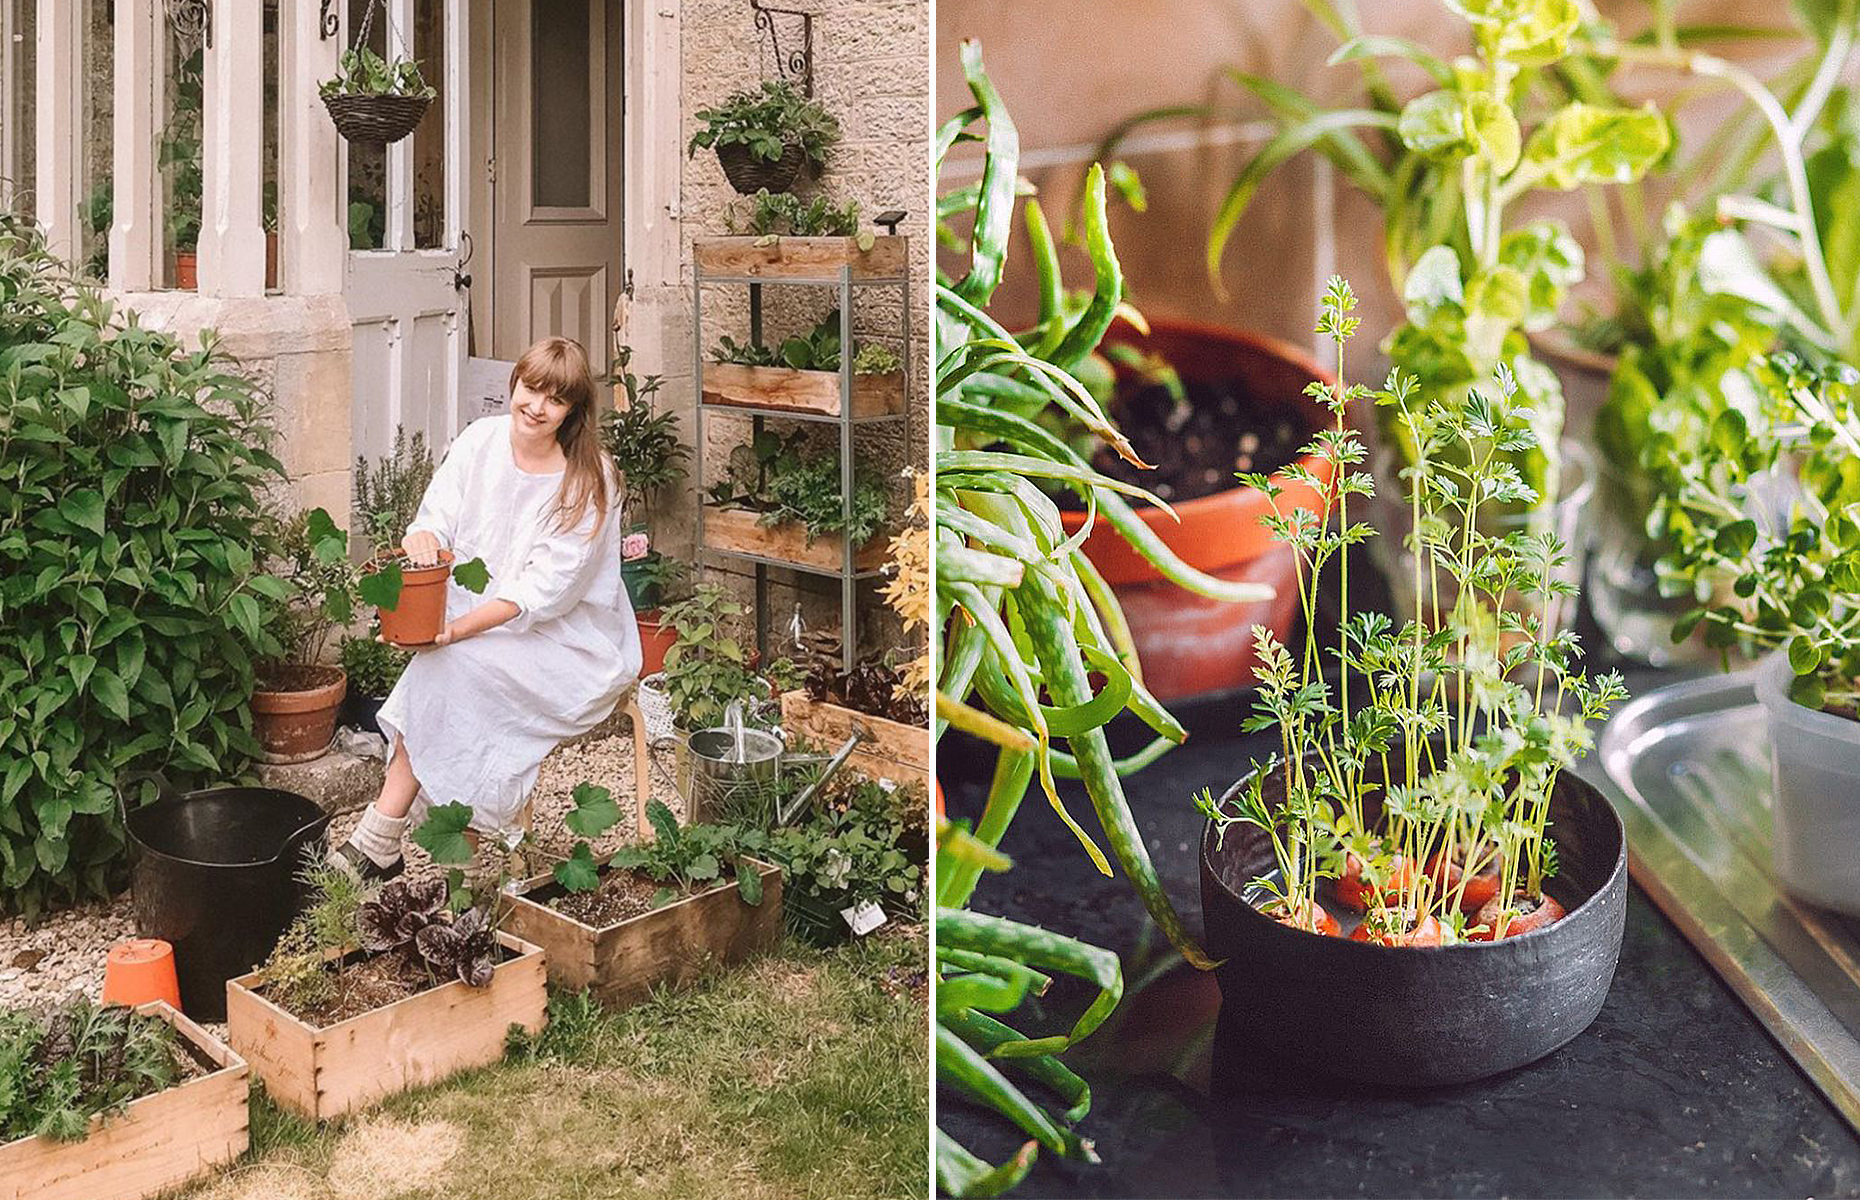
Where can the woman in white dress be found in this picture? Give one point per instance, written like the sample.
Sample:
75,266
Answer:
550,646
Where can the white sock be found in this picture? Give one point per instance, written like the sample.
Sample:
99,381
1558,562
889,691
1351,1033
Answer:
378,836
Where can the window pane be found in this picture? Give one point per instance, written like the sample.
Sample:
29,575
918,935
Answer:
559,104
18,103
429,137
367,160
178,147
98,51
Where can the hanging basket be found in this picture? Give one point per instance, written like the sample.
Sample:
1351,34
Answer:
747,173
382,119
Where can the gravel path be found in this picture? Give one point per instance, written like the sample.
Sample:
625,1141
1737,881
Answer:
42,967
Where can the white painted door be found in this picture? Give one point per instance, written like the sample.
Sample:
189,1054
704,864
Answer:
406,212
556,177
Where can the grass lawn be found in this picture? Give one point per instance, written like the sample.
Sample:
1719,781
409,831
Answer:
805,1073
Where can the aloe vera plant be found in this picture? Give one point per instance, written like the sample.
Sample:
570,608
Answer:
1024,612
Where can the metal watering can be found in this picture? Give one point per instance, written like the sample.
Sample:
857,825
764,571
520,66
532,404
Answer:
735,769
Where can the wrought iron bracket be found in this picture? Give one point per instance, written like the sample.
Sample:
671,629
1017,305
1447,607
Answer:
794,63
328,23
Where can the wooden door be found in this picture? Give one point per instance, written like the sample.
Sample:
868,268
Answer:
555,173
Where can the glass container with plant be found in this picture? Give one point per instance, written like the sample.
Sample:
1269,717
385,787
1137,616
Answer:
764,135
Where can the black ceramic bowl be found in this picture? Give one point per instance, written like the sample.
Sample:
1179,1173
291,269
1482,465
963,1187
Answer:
1419,1016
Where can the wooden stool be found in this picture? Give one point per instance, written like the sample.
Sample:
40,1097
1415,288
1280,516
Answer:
642,770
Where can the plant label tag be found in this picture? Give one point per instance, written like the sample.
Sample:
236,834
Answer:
863,918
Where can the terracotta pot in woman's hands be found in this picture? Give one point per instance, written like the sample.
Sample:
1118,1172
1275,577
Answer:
421,613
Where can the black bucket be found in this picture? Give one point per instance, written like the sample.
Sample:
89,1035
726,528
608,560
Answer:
216,877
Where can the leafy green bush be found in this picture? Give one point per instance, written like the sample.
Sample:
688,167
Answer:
688,858
131,598
768,119
362,72
84,1061
642,441
854,848
706,667
373,667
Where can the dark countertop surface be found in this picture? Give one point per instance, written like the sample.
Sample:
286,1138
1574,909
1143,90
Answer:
1675,1090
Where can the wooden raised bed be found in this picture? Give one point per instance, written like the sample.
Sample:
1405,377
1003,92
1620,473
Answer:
784,389
156,1144
322,1073
622,963
895,751
740,530
802,257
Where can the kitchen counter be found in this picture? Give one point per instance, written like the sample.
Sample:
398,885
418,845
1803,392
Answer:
1675,1090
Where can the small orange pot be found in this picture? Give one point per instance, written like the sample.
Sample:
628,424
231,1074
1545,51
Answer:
1355,894
1479,889
1547,912
186,270
421,613
654,640
294,711
1427,933
1188,644
271,260
140,970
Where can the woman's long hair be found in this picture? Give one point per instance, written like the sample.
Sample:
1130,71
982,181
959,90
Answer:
558,367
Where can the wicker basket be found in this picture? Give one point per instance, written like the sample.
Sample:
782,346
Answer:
747,173
382,119
656,707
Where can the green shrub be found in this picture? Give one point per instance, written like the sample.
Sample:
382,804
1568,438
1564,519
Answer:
81,1062
130,589
373,667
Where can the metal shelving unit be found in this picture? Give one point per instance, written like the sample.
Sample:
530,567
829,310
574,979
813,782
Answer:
848,285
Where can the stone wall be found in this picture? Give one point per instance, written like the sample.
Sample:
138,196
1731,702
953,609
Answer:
870,71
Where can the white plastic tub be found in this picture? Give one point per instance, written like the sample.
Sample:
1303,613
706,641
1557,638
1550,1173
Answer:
1815,815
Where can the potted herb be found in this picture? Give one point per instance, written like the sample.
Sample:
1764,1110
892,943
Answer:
645,449
781,499
295,705
706,667
765,135
115,1102
373,667
649,915
1446,741
373,99
370,994
803,375
1787,587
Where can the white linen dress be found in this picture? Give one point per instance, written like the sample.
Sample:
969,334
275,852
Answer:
478,716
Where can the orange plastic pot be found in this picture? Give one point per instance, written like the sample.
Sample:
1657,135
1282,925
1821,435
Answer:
654,640
294,711
1547,912
421,613
1188,644
140,970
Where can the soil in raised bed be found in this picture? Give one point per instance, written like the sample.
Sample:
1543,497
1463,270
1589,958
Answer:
366,984
1197,447
621,896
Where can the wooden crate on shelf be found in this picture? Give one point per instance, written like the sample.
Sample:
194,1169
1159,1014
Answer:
323,1072
739,530
622,962
801,257
784,389
154,1145
895,751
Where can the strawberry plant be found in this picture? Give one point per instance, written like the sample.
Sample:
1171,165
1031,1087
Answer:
133,603
685,859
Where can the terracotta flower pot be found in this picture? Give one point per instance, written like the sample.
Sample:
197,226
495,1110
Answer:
271,259
421,613
1188,644
294,710
654,640
1546,912
186,270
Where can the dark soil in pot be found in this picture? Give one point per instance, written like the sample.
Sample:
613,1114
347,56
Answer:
1409,1012
1196,446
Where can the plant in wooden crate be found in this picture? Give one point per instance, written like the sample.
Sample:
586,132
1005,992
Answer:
788,481
818,349
774,214
765,135
860,846
120,448
373,992
114,1102
651,913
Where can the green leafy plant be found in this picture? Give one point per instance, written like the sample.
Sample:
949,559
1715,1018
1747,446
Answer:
131,599
380,584
388,491
706,666
767,213
60,1073
652,579
297,973
373,667
362,72
594,814
1026,619
766,120
816,350
784,479
1483,705
853,847
642,441
98,211
688,858
1788,580
875,359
